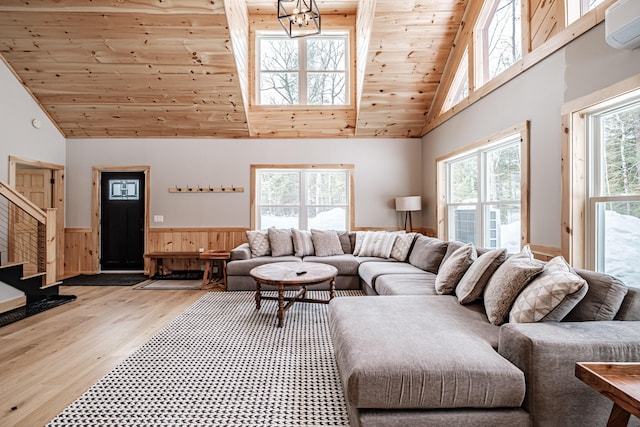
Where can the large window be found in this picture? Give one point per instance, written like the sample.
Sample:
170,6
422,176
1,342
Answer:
481,188
303,71
498,39
317,197
613,208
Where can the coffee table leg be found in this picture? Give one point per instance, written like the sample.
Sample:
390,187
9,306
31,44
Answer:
332,289
280,305
257,295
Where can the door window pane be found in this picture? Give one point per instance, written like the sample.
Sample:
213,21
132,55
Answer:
124,189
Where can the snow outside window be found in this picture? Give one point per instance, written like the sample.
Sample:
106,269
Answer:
303,198
613,208
483,195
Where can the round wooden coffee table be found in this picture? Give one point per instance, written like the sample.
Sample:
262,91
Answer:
293,274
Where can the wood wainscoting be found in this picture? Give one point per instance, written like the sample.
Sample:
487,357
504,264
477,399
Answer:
82,251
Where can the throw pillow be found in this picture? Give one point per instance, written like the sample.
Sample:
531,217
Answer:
603,299
345,241
550,296
454,268
302,243
258,242
402,245
326,243
507,282
281,242
477,276
377,244
427,253
358,245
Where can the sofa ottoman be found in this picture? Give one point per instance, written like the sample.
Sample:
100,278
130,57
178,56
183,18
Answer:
444,359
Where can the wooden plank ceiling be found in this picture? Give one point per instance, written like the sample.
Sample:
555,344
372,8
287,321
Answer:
179,68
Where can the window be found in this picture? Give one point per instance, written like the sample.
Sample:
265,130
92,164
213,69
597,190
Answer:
459,88
577,8
304,71
498,39
613,207
316,197
481,189
124,189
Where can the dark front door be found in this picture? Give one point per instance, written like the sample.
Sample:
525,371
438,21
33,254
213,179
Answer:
122,221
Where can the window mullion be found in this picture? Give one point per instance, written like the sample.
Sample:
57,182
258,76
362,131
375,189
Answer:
302,74
303,219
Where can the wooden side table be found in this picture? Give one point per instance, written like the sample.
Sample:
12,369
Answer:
212,257
619,382
155,259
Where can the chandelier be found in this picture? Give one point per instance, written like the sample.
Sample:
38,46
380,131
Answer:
303,20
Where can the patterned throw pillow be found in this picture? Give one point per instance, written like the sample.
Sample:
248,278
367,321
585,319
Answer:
402,245
378,244
302,243
326,243
359,239
280,241
507,282
259,242
477,276
550,296
453,268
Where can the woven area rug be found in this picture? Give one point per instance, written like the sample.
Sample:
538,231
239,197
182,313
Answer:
222,363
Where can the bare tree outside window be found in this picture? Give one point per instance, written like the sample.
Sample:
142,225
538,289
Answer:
305,71
498,39
504,37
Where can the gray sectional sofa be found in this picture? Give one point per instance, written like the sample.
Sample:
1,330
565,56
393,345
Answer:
409,355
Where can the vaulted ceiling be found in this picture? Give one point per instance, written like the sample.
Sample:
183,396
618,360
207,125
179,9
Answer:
181,68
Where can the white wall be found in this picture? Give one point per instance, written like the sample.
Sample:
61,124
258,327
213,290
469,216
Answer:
584,66
19,137
384,169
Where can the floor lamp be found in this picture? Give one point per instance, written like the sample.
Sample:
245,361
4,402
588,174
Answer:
408,204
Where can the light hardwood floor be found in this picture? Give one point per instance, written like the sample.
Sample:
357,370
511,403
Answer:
48,360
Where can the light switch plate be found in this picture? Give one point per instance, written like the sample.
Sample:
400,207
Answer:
158,218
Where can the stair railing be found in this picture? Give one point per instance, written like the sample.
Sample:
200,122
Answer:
27,234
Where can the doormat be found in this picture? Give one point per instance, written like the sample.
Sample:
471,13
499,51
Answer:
105,279
172,285
34,307
180,275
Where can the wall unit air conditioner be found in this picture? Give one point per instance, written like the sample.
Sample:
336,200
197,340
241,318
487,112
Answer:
622,24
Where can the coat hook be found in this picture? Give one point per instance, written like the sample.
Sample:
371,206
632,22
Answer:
222,187
210,188
233,187
199,188
178,188
189,188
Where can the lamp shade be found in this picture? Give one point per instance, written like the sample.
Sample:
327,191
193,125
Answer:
408,203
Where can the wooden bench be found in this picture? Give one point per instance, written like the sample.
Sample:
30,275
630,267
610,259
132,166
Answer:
209,257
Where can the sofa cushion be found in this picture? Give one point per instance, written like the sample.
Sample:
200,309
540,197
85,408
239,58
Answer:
603,299
550,296
630,308
453,268
326,243
427,253
280,241
243,267
507,282
377,244
346,264
477,276
302,243
370,271
406,284
258,242
402,246
420,352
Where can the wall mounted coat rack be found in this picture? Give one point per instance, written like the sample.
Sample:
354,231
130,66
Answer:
206,189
